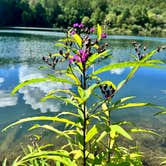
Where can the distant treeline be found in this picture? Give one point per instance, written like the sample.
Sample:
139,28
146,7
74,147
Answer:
119,16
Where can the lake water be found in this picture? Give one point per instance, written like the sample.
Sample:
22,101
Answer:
20,57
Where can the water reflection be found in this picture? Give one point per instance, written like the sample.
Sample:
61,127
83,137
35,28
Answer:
33,93
6,99
24,52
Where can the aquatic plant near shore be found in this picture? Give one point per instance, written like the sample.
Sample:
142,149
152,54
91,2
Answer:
91,135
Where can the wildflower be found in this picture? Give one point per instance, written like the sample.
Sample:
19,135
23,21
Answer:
81,25
77,58
103,35
92,29
83,55
73,32
71,60
75,25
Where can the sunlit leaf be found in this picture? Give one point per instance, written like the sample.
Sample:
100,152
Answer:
77,39
123,99
68,113
91,133
67,100
132,105
60,45
61,156
38,80
104,107
51,128
137,130
99,31
124,65
4,162
77,154
102,136
160,113
95,56
149,55
41,118
118,129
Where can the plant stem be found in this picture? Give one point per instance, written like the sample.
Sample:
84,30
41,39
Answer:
85,118
109,137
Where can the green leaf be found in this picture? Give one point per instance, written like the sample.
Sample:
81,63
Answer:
104,107
48,127
123,100
77,39
41,118
118,129
86,93
66,91
132,105
72,101
38,80
68,113
149,55
73,77
77,154
160,113
60,45
59,155
137,130
4,162
115,66
95,56
56,55
91,133
99,32
124,65
163,163
102,135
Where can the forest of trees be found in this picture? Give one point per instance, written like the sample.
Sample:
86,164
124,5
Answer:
143,17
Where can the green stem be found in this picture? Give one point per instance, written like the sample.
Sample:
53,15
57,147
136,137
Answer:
85,118
109,137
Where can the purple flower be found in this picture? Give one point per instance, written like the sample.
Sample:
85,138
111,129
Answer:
71,60
77,58
75,25
84,55
81,25
92,29
73,32
103,35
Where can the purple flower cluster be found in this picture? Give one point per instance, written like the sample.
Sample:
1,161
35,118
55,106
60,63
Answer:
81,56
92,29
103,35
77,25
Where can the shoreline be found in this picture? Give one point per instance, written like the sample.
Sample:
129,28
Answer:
111,32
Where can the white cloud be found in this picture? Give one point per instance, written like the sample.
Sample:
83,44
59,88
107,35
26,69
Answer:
2,79
34,92
117,71
163,91
6,99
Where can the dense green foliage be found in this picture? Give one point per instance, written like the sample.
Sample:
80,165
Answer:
91,136
142,17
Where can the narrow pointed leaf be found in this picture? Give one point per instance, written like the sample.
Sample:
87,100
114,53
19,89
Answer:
41,118
118,129
91,133
137,130
38,80
77,39
99,31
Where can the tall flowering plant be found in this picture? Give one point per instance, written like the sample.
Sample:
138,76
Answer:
91,136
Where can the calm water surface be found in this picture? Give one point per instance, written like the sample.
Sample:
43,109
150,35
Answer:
20,57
